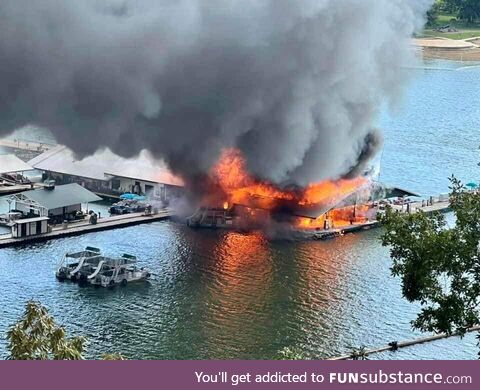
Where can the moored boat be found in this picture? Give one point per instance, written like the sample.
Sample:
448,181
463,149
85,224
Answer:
108,275
72,263
90,267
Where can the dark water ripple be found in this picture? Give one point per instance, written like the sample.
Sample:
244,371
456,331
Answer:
222,295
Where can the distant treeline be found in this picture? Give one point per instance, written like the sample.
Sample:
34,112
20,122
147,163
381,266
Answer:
464,10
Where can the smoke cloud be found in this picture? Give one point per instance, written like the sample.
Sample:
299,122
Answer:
295,85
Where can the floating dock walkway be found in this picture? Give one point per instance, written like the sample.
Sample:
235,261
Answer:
396,345
114,222
442,206
15,189
82,227
30,146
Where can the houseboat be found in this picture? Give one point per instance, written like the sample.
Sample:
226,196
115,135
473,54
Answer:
72,263
89,267
121,273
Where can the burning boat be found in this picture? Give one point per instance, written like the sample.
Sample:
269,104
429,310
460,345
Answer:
212,217
247,201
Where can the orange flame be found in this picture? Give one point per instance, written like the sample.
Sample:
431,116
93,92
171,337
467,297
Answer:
231,176
339,217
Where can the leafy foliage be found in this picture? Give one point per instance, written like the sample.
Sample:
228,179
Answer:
468,10
36,336
432,14
288,353
478,344
439,266
113,356
359,353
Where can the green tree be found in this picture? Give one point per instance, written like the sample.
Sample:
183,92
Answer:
36,336
432,14
439,266
113,356
468,10
359,353
450,6
289,353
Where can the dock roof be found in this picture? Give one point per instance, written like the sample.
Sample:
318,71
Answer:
28,220
10,163
104,165
61,160
397,192
61,196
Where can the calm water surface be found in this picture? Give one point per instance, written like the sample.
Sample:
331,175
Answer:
228,295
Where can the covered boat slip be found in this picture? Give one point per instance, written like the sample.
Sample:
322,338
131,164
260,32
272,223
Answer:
59,203
60,208
82,227
10,163
12,179
108,175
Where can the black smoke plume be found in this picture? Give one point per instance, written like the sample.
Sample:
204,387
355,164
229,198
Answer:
295,85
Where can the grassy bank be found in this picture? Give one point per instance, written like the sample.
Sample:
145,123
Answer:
464,30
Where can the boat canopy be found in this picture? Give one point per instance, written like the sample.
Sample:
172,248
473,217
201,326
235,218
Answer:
129,196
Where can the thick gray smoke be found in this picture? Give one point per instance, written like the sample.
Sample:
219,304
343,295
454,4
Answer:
294,84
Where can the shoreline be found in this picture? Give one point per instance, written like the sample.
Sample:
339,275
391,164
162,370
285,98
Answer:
449,49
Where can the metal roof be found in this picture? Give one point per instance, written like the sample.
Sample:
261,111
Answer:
161,178
143,168
61,160
396,192
28,220
10,163
61,196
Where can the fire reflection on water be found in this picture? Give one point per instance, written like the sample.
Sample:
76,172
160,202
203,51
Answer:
245,302
240,289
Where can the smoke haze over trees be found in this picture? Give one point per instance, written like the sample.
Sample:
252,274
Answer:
295,85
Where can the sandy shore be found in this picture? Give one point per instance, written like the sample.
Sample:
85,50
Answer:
449,49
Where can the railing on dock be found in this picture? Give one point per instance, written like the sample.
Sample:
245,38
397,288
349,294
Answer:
26,145
395,345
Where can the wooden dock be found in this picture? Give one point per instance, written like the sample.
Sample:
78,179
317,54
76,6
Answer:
83,227
342,230
395,345
30,146
9,190
442,206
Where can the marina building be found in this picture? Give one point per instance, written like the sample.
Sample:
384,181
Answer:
29,227
12,177
9,163
55,203
108,175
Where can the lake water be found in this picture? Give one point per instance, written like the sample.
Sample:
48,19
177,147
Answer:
223,295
